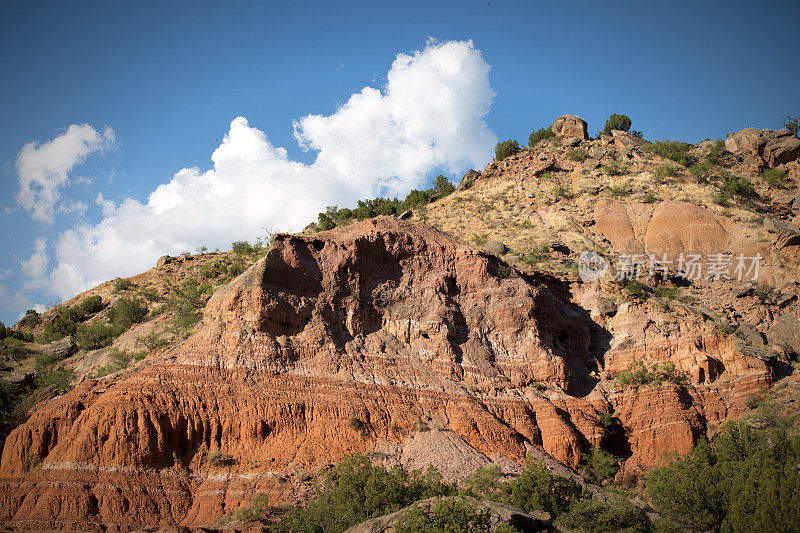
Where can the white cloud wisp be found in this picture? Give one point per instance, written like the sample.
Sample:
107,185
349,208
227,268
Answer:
43,168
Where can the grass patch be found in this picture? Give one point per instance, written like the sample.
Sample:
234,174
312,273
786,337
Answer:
676,151
578,154
662,172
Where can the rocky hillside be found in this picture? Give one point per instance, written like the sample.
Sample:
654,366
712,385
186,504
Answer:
467,334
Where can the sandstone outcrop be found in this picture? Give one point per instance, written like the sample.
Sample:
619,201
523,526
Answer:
670,228
773,147
344,341
570,126
781,150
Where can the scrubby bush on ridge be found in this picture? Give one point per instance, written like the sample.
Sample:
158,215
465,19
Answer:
365,209
617,122
505,149
540,135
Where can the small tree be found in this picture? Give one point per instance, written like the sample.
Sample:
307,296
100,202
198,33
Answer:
791,124
442,186
505,149
540,135
617,122
538,489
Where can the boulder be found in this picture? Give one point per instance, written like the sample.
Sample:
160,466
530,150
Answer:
570,141
751,336
626,141
405,215
61,349
468,180
499,513
740,291
163,260
495,247
743,141
19,381
570,126
591,164
776,225
606,307
781,150
788,237
785,333
591,187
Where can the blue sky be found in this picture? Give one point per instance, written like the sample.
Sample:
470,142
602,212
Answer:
169,78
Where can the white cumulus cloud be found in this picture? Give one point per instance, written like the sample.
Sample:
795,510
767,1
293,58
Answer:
43,168
34,269
431,114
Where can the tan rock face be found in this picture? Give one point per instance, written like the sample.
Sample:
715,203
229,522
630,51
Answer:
671,227
339,342
570,126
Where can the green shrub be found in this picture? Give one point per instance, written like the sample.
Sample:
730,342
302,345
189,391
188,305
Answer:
638,373
599,465
441,187
537,489
128,310
774,176
669,293
13,348
722,198
739,187
153,341
355,490
560,191
92,305
578,154
746,480
186,300
635,288
245,249
614,168
662,172
217,458
701,171
365,209
484,483
649,197
716,153
251,513
122,284
150,294
617,122
62,379
63,323
448,516
791,124
620,190
595,516
540,135
675,150
95,336
505,149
